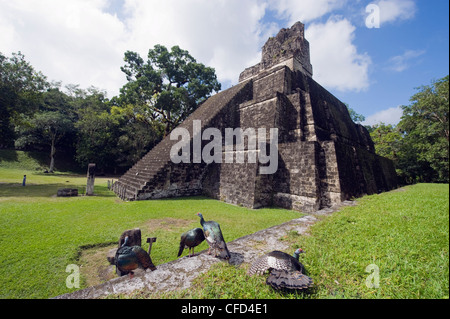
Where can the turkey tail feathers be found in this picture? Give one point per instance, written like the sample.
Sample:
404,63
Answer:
180,251
223,251
279,279
182,244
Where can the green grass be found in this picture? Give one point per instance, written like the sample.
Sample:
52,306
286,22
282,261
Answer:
41,234
36,161
405,233
31,161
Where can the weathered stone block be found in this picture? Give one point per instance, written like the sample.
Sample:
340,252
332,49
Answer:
90,180
111,255
67,192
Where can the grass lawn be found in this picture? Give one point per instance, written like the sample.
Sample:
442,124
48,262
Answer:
41,234
404,234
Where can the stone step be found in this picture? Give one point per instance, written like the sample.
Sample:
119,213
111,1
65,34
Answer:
155,161
130,194
144,171
130,182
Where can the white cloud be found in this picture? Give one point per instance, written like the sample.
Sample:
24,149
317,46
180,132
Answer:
402,62
83,41
69,41
393,10
223,34
335,59
304,10
388,116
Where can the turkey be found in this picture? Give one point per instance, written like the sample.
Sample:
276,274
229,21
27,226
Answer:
191,239
129,258
214,238
285,271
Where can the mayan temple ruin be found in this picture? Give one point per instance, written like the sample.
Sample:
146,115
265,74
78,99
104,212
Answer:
323,157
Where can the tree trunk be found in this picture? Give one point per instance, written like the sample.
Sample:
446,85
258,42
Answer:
52,156
167,130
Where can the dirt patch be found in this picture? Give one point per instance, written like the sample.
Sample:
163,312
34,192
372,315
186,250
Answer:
94,267
168,224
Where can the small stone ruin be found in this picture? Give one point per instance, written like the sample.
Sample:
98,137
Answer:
67,192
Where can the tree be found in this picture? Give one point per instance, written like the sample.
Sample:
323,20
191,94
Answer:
387,139
97,128
21,90
45,128
426,128
390,143
356,117
97,138
137,135
168,86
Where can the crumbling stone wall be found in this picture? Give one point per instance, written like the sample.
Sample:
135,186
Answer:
289,47
323,157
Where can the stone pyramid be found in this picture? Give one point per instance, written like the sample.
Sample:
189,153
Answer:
323,158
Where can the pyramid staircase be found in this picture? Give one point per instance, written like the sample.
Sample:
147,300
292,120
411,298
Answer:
138,179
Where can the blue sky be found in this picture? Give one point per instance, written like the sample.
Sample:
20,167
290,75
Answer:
405,55
374,70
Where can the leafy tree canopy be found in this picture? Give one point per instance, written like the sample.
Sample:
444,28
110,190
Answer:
45,128
387,139
20,93
426,128
356,117
168,86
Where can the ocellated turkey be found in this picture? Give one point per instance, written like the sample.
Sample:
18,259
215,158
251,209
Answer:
285,271
214,238
129,258
191,239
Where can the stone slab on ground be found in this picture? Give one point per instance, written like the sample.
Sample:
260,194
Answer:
179,273
67,192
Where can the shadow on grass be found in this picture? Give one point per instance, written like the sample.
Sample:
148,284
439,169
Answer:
8,156
59,174
47,190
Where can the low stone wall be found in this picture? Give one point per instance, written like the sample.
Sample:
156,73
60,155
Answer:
67,192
